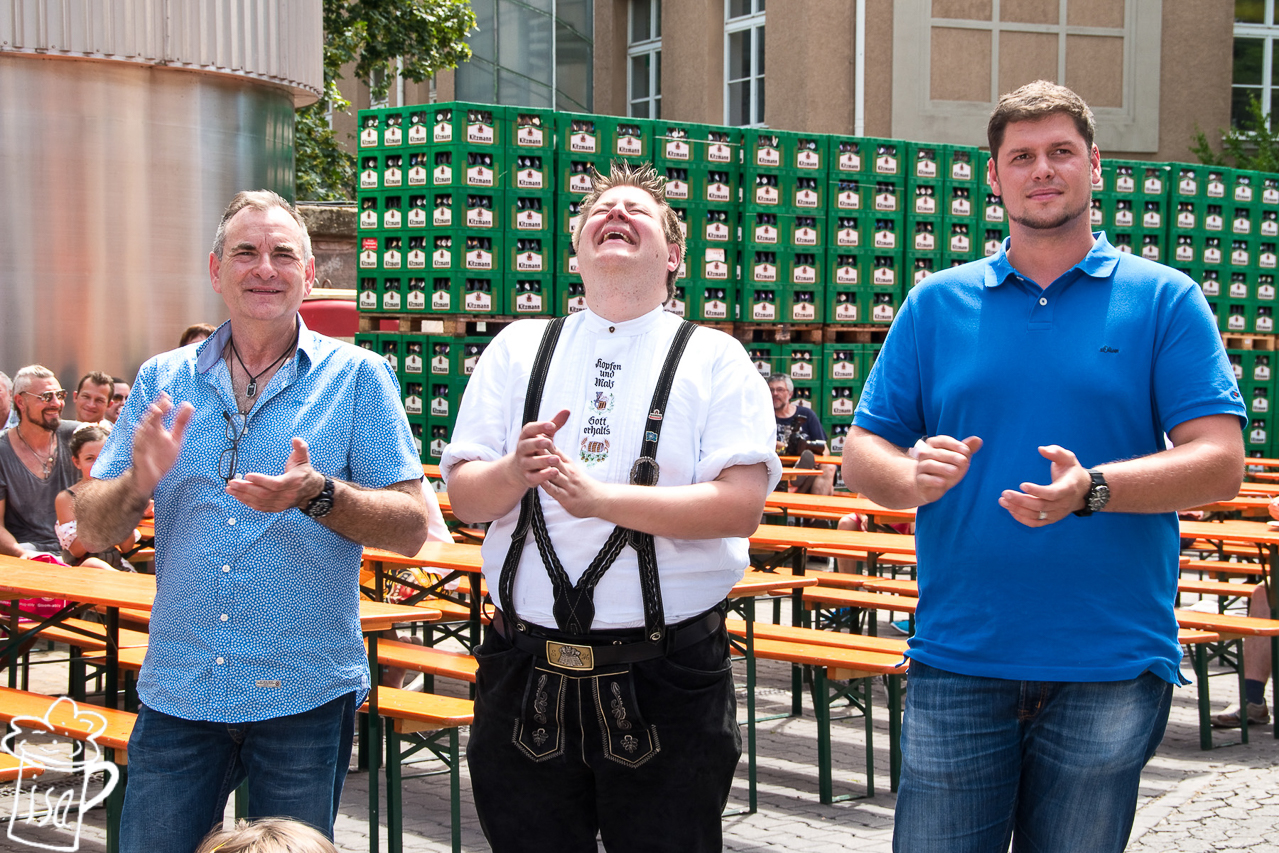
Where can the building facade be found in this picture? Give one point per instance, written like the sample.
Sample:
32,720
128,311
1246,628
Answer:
926,70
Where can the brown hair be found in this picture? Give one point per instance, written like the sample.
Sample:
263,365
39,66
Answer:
643,176
83,435
269,835
196,330
1035,101
259,200
97,377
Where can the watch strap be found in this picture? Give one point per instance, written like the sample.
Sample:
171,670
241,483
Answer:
322,504
1098,483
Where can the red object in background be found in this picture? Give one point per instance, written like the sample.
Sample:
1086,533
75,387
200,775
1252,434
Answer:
333,317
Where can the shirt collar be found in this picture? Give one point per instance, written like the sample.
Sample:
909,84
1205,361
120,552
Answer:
209,353
640,325
1098,263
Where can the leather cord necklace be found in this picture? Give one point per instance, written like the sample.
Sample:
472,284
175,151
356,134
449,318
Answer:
53,451
252,390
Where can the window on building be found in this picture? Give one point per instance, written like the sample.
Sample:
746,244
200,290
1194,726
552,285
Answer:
644,59
744,63
530,54
1255,71
377,78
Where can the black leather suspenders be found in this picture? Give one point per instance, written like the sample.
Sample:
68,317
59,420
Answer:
574,606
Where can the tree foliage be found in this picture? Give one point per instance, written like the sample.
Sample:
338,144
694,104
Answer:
424,35
1253,144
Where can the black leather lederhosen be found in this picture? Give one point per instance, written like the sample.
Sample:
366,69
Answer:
572,651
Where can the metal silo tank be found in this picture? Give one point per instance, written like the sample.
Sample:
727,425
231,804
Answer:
125,128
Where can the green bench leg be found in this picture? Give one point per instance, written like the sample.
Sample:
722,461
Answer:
894,731
1201,675
115,805
394,792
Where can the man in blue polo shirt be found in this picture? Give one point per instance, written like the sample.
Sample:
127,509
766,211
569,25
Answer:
1043,380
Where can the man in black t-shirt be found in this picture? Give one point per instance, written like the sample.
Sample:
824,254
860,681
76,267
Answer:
799,430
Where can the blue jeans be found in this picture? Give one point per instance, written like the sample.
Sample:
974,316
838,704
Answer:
181,773
1052,766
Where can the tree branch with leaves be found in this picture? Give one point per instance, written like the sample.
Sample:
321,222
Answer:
423,35
1252,144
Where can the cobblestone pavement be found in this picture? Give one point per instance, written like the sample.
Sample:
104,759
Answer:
1190,800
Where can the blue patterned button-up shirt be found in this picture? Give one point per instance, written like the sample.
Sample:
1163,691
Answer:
257,614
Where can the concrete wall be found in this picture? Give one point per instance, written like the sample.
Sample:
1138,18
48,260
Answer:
1198,46
693,61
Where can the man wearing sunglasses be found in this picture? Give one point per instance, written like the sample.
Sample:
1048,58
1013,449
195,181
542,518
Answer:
273,454
35,464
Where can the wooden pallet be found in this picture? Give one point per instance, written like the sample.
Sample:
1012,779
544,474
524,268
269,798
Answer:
778,333
1261,343
854,334
373,322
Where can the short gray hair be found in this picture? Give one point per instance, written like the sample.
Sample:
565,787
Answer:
259,200
6,382
29,374
774,378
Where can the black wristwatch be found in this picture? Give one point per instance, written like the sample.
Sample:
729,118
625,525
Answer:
1098,494
322,504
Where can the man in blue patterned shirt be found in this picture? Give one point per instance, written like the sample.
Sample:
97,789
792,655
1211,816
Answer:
273,454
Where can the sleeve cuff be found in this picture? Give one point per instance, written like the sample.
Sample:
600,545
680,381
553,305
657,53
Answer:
457,453
712,466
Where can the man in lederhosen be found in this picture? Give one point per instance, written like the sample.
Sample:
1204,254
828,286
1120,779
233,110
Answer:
605,697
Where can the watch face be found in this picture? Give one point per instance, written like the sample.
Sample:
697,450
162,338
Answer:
1098,497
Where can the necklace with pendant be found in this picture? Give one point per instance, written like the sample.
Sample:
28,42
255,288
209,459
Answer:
252,390
47,464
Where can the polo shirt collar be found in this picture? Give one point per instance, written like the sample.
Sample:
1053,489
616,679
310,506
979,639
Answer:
1098,263
640,325
209,353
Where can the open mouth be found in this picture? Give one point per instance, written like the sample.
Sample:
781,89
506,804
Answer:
615,234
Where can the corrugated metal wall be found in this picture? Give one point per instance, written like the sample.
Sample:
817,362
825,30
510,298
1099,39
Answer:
125,128
277,41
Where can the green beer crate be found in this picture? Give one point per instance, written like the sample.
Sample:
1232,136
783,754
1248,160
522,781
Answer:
927,162
850,269
416,298
807,304
529,214
766,356
483,293
843,305
570,295
849,196
765,303
962,164
850,156
529,256
530,296
959,201
841,363
847,232
530,130
529,172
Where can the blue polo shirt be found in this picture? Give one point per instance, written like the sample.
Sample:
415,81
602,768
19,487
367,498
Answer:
1104,361
257,614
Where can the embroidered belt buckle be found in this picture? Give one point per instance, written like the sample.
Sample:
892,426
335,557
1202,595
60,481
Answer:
569,656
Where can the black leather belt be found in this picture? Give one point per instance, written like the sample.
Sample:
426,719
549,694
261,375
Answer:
593,650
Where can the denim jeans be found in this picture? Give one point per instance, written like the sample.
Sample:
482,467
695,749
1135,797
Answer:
181,773
643,753
1052,766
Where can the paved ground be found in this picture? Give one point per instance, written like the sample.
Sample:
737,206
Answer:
1225,799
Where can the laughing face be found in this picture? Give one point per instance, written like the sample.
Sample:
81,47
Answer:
263,274
624,231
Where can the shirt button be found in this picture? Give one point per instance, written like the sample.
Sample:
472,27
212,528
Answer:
226,568
612,328
223,617
231,521
1042,301
221,661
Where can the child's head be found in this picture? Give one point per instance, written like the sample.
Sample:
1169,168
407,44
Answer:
85,445
269,835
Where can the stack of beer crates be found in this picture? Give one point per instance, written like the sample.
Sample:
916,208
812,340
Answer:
1224,232
528,199
702,167
783,223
